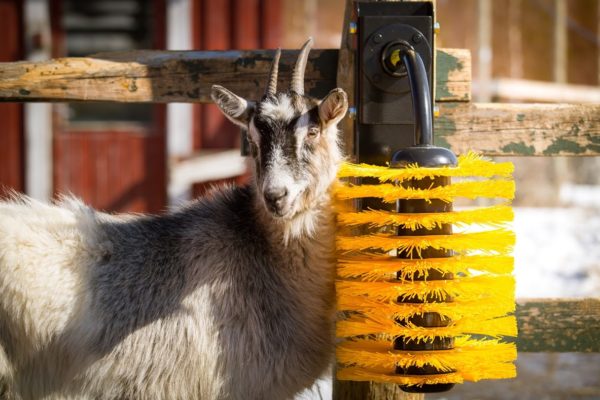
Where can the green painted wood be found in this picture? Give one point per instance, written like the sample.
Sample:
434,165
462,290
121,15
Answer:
558,325
497,129
453,75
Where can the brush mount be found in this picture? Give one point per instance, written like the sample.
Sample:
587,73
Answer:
385,119
395,99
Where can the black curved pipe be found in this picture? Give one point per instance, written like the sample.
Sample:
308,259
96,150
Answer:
421,94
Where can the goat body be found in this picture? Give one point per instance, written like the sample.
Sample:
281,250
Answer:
200,303
230,297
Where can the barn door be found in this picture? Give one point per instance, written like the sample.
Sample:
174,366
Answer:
110,154
11,114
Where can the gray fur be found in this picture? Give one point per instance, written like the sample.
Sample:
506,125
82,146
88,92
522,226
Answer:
230,297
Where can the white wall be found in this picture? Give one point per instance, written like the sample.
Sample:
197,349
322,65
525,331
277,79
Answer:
179,115
38,116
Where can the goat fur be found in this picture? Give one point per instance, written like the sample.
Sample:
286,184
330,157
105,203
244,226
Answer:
203,303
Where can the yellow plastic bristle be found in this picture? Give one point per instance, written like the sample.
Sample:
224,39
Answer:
483,371
387,376
374,267
495,216
383,297
390,193
470,164
486,308
467,354
468,288
360,326
494,241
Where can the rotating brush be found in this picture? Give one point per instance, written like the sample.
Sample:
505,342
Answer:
425,306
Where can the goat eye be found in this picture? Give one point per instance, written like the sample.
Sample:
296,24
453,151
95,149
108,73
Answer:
313,132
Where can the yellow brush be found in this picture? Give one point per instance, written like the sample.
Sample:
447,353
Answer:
424,306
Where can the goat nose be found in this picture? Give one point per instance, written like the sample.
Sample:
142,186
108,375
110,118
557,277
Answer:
272,195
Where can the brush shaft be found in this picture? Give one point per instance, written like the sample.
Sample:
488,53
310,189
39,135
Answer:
428,319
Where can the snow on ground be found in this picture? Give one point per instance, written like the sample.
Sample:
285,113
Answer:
557,252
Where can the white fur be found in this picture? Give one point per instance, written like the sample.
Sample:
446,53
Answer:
282,109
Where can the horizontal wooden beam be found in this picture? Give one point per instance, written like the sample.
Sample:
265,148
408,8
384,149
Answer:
558,325
543,92
156,76
186,76
496,129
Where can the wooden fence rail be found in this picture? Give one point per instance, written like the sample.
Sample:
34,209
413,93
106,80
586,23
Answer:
186,76
558,325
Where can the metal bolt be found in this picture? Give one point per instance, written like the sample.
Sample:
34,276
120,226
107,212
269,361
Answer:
436,27
417,37
352,27
378,38
352,112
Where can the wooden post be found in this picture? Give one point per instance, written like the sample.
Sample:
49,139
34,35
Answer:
484,59
560,41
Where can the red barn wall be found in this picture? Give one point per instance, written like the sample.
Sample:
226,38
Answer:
11,114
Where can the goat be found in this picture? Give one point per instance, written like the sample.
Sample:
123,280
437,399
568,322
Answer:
229,297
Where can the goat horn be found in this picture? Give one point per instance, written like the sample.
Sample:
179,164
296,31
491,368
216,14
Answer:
272,84
298,74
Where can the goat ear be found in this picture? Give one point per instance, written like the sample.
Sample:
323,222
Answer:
333,107
237,109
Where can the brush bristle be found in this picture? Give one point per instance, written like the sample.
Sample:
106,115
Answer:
371,279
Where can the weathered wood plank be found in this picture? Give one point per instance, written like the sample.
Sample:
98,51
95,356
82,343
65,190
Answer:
558,325
524,90
157,76
186,76
496,129
349,390
453,75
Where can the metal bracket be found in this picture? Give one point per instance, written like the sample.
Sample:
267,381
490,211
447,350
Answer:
385,120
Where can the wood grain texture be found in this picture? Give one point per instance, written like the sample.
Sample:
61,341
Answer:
453,75
186,76
349,390
157,76
558,325
497,129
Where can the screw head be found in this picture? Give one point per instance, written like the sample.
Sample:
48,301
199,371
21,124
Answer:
352,27
417,38
352,112
378,38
